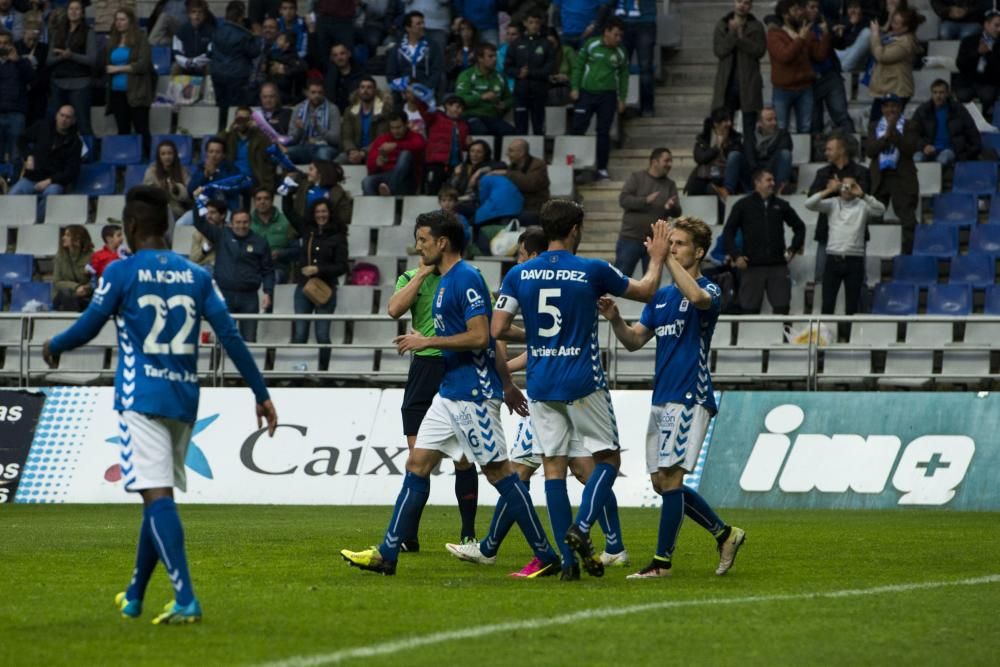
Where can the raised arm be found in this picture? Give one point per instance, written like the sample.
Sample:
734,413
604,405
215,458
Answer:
657,246
407,291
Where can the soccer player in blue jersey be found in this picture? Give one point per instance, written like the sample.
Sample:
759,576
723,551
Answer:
571,408
158,300
682,316
464,417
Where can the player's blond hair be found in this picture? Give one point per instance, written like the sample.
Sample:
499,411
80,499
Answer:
700,233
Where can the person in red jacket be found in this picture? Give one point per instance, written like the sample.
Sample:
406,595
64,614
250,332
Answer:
447,139
112,235
394,159
791,45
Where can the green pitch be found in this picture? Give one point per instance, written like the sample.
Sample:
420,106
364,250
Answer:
273,587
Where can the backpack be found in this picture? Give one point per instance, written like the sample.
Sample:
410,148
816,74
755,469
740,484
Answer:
365,273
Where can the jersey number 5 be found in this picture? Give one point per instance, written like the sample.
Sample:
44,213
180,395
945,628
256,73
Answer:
160,307
546,308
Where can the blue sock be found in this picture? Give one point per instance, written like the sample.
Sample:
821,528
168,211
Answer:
611,526
499,526
145,561
515,494
561,516
671,516
702,513
467,494
168,538
409,504
595,495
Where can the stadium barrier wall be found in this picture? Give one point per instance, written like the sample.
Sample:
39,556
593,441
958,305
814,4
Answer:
333,447
855,450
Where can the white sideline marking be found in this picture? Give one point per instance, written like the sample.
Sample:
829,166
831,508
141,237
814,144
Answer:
388,648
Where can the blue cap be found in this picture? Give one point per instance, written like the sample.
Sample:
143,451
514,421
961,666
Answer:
891,97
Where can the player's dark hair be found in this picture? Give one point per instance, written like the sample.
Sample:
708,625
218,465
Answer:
398,116
219,205
483,48
940,82
658,152
368,79
260,188
236,11
442,223
720,114
240,211
701,234
613,23
759,174
408,19
147,207
107,231
534,241
215,140
559,216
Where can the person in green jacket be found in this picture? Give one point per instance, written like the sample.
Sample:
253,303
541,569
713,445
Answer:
268,221
486,95
599,84
71,287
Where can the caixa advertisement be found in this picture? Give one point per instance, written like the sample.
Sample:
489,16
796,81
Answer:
855,451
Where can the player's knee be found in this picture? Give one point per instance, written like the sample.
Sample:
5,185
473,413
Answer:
611,457
669,479
463,464
420,463
496,471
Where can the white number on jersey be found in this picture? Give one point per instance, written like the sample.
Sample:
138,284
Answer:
176,345
546,308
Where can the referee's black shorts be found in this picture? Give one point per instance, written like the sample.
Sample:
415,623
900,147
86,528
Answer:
422,383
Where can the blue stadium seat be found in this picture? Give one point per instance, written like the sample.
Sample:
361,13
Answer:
161,60
985,239
184,143
939,241
991,140
24,293
992,304
88,142
978,178
993,217
95,180
134,173
956,208
895,299
121,149
952,300
918,270
15,269
977,269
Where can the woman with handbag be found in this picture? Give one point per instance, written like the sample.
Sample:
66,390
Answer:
324,260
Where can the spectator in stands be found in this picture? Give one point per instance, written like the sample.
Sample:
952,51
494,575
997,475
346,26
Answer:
851,38
394,160
739,42
647,196
465,178
315,130
130,76
259,10
718,155
531,176
959,18
342,76
51,150
600,84
269,222
277,116
448,201
947,131
978,64
513,33
892,142
379,18
258,66
483,14
461,53
770,148
321,181
71,287
763,260
233,51
499,201
447,136
202,251
15,75
367,118
192,41
529,63
246,149
893,53
334,24
32,49
562,69
324,257
167,173
113,238
284,67
828,87
290,21
104,12
242,268
11,20
71,62
848,209
579,19
839,167
640,38
437,19
486,95
165,20
213,168
792,47
414,60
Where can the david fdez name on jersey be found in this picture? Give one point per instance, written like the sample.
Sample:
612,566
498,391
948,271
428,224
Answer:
569,275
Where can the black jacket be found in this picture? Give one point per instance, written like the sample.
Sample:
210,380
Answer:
323,247
763,224
968,62
705,154
14,79
537,54
965,137
234,49
241,264
57,156
851,169
759,159
340,86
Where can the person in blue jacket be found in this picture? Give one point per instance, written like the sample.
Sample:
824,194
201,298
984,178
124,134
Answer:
499,200
483,14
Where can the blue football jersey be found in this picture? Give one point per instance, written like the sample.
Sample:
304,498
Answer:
557,293
158,300
683,340
470,375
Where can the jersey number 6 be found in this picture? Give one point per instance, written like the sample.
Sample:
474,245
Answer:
177,345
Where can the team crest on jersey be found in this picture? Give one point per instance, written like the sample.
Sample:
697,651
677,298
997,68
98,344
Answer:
162,259
440,297
684,305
